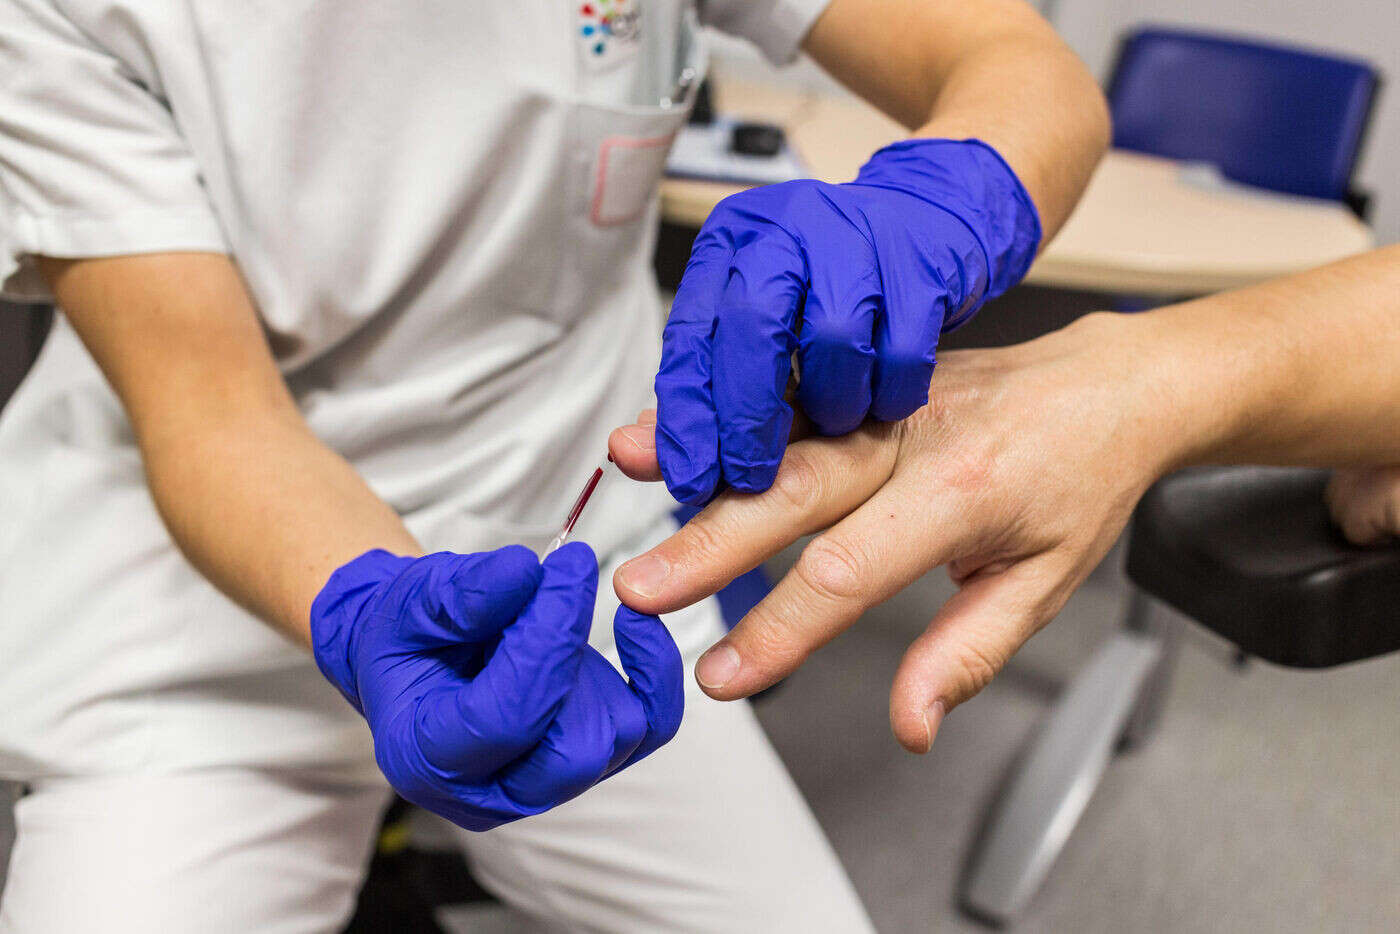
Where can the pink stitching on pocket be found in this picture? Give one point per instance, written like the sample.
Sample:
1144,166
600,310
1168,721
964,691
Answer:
600,178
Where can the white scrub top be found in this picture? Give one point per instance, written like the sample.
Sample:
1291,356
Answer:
445,214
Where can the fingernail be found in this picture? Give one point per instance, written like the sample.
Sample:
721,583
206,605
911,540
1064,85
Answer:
933,717
645,575
643,439
717,666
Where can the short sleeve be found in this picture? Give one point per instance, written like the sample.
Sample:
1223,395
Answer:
91,162
777,27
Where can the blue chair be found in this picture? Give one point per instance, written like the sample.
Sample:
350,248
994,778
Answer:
1245,552
1285,119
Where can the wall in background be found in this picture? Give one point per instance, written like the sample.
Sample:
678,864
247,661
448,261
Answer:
1368,29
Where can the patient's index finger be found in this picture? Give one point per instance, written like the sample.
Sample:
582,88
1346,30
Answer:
819,481
858,563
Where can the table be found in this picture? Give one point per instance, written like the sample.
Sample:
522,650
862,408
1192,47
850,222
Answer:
1146,226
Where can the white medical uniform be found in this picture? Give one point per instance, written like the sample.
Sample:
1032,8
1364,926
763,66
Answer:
445,214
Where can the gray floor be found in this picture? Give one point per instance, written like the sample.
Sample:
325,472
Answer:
1268,801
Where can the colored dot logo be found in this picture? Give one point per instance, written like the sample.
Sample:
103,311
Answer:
605,22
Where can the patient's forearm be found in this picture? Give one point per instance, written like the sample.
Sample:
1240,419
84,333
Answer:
251,496
1303,370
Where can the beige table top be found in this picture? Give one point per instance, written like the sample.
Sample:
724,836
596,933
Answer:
1145,225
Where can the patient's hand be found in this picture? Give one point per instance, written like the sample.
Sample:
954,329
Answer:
1365,503
1019,475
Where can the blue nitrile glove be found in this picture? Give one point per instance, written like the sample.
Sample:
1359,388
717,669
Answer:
860,279
474,671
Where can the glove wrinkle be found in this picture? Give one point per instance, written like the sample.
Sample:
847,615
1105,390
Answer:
541,720
939,226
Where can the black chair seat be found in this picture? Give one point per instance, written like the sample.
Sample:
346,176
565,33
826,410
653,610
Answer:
1250,553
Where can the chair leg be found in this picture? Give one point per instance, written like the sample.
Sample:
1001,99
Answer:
9,797
1146,616
1059,771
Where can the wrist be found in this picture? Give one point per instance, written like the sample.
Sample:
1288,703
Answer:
338,611
973,182
1184,393
1147,388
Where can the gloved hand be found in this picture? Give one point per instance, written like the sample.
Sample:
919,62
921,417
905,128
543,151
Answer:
485,700
860,279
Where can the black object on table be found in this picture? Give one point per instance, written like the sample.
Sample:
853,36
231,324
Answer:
703,111
757,139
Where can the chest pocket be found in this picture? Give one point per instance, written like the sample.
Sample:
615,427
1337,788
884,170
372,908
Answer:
638,66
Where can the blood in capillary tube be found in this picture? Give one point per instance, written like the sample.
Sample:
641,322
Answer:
567,528
582,500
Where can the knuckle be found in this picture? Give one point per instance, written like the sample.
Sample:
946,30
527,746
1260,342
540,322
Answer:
666,728
753,476
833,567
917,355
731,204
629,731
711,245
799,482
976,667
503,731
701,542
900,409
828,332
771,642
585,771
403,766
628,740
907,359
516,721
968,472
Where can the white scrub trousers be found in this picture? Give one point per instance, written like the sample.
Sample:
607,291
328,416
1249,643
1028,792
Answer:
709,834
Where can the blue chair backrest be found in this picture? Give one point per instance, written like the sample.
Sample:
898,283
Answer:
1269,116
